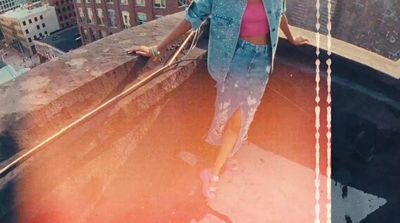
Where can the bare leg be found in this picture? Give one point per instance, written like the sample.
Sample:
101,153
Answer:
229,137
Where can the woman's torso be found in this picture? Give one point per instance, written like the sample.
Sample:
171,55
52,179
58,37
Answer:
254,6
224,30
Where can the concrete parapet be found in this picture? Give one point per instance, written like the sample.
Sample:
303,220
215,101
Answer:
56,93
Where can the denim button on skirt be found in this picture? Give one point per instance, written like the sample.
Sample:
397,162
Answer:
242,89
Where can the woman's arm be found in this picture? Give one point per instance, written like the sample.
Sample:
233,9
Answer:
286,30
195,14
178,31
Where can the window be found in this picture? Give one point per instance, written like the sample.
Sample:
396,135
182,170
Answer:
124,2
112,18
183,3
40,34
90,15
140,3
125,18
33,49
45,32
24,23
141,17
81,15
87,1
29,39
26,31
110,1
38,27
85,34
60,18
34,37
65,17
69,8
43,25
100,16
36,19
94,37
30,21
103,33
63,9
41,17
159,4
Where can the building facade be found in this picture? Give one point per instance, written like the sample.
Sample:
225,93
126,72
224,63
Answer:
6,5
100,18
65,10
23,25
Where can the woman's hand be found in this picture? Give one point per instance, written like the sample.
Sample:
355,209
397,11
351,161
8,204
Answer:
144,51
300,40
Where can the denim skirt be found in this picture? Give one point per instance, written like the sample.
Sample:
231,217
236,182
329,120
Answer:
242,89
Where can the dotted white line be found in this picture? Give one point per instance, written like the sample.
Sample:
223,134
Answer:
329,119
317,119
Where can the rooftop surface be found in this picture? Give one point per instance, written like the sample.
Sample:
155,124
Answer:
6,74
156,179
64,39
132,166
108,176
352,52
2,64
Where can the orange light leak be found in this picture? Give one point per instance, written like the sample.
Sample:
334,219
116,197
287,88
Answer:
118,168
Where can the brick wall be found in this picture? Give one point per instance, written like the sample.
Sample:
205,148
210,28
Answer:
65,11
96,31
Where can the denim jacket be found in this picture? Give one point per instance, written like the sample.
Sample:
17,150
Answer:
225,21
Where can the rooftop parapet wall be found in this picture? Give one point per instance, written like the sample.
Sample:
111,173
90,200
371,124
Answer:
58,92
370,24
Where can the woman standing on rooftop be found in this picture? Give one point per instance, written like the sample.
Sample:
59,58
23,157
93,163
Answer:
241,50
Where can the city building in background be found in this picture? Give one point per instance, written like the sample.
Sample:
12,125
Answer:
6,5
100,18
65,11
8,72
58,43
25,24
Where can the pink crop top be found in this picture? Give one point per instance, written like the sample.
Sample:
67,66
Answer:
254,20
